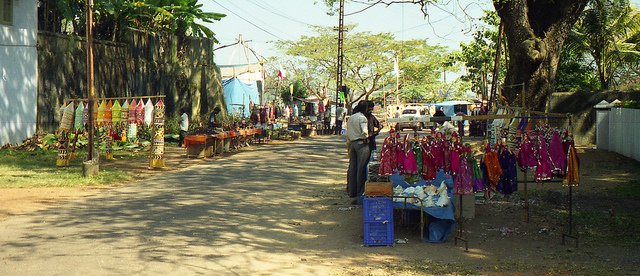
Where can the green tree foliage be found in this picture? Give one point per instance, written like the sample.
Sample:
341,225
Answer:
609,31
368,62
574,72
178,17
479,55
299,91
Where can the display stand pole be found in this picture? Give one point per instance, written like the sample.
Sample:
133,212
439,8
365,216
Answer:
461,230
526,199
570,235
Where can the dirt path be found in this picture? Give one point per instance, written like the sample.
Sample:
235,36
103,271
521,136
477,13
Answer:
281,209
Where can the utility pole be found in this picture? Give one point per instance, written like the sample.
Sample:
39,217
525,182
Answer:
340,52
90,90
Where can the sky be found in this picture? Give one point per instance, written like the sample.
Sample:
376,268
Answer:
261,21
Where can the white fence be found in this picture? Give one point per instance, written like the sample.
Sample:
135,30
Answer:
624,132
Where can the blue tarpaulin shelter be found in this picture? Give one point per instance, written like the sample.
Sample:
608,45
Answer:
238,95
450,108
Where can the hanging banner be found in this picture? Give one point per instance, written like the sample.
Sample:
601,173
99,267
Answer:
156,159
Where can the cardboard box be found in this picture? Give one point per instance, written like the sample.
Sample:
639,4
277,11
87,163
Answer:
384,189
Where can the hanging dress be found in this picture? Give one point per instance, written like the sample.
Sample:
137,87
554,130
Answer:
393,154
526,157
455,159
417,154
400,155
543,170
385,159
508,179
572,174
463,183
446,153
558,154
478,181
493,166
428,168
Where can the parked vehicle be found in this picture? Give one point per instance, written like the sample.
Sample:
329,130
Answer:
415,113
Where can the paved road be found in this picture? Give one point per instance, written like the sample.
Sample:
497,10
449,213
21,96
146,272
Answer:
273,209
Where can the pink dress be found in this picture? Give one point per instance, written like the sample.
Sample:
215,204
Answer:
526,157
428,169
543,170
455,160
558,154
385,159
410,166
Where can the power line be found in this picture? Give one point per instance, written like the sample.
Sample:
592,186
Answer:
274,11
249,21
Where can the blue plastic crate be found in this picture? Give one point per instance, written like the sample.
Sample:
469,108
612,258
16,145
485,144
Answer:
378,233
377,209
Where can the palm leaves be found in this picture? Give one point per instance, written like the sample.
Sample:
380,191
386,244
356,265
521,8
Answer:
179,17
609,31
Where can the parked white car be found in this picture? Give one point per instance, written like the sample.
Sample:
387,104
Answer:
413,113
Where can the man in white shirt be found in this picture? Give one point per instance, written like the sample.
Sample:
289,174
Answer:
358,148
340,113
184,126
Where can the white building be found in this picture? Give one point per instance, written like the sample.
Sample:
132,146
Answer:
18,70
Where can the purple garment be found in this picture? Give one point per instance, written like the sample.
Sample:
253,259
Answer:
446,152
543,170
526,157
464,183
455,161
508,182
557,153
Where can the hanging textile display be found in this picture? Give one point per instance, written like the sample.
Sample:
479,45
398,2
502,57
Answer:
157,147
63,157
543,170
124,119
96,106
148,113
132,111
66,123
558,154
108,113
124,112
493,166
132,130
85,114
140,113
100,115
116,111
572,174
78,122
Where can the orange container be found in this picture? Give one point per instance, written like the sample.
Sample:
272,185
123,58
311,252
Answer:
384,189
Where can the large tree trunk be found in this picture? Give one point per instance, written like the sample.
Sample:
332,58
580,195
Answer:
535,32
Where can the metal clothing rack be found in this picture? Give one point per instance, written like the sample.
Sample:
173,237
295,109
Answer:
570,234
459,236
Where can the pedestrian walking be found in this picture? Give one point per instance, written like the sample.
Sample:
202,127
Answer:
183,122
340,114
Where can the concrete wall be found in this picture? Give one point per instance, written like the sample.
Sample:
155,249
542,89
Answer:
580,105
143,64
18,74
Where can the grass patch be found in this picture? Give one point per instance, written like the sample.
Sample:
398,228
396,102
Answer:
23,169
417,267
621,229
630,190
